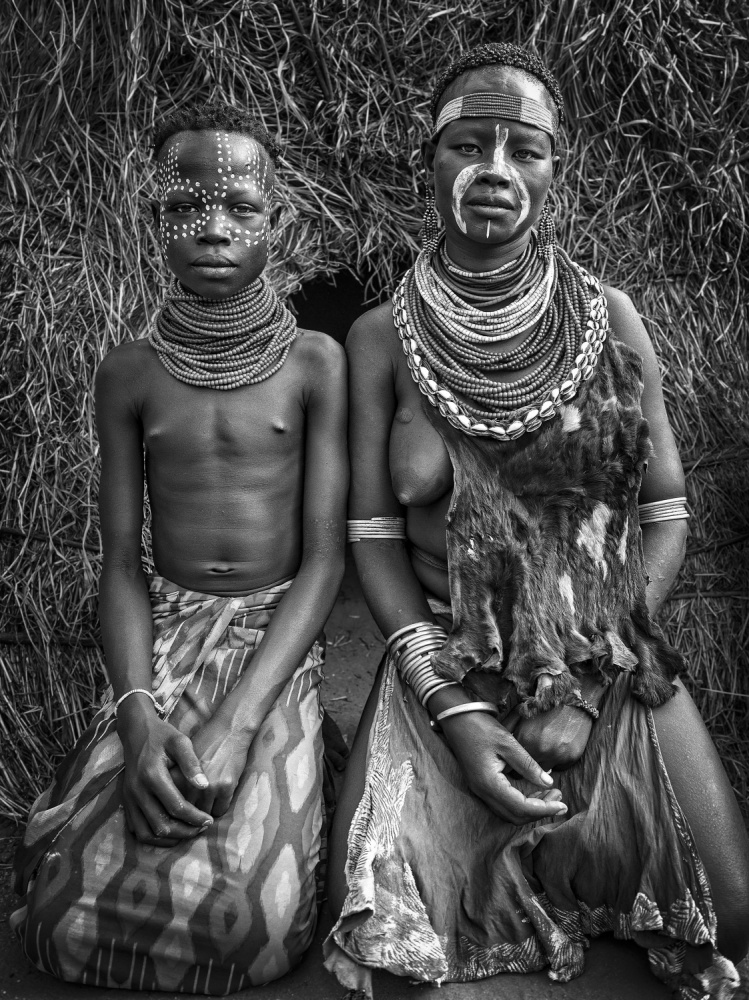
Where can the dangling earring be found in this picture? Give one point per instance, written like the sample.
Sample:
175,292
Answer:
430,231
546,234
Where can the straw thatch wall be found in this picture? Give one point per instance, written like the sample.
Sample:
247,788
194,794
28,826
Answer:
651,198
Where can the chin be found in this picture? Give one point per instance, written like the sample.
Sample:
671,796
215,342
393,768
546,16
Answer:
217,288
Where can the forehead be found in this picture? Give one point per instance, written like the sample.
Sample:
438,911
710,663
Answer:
217,152
496,79
490,130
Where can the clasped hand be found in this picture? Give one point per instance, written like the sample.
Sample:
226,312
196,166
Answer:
175,786
485,749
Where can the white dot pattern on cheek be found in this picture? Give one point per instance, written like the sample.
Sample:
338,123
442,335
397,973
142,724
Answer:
254,169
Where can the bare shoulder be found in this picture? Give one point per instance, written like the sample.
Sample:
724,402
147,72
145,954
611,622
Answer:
318,353
373,338
625,321
126,367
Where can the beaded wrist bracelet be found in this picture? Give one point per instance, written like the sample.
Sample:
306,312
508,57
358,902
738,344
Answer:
587,707
674,509
411,648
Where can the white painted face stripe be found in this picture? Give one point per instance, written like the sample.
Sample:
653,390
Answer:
498,164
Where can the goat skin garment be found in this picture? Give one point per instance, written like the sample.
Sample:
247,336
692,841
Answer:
546,575
548,525
234,907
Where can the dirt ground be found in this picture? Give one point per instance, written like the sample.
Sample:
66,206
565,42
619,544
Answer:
614,970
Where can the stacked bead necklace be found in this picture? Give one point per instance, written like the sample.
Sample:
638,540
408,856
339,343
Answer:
223,344
437,312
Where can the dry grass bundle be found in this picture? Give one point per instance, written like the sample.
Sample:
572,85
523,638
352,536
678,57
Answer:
651,199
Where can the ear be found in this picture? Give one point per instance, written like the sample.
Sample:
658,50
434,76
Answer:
428,152
155,206
274,216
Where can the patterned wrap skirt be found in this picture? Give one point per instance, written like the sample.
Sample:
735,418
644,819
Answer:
441,889
234,907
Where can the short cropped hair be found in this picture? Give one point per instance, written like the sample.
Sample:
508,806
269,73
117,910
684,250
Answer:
211,116
499,54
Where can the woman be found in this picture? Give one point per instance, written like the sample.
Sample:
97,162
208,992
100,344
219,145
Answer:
536,451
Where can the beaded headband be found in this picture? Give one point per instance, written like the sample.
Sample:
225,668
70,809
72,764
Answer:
517,109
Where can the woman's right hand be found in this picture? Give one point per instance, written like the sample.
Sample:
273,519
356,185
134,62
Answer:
485,749
156,812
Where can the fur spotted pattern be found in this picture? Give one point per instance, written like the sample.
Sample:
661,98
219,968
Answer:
544,549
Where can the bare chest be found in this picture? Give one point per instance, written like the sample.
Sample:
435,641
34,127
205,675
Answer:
420,465
189,425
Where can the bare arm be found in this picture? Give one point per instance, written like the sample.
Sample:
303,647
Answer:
152,802
395,595
224,742
664,542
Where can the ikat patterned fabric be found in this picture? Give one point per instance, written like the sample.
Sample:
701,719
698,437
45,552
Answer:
234,907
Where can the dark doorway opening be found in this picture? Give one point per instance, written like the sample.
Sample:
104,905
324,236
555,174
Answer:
331,304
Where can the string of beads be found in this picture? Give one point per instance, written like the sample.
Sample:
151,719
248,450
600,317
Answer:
223,344
556,304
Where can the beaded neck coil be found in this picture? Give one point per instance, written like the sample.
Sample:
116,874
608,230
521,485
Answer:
223,344
446,317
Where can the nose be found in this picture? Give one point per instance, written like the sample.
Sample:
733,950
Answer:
497,170
495,173
213,229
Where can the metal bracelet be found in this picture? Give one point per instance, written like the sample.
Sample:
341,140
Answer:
412,632
156,704
471,706
427,644
663,510
404,630
422,680
418,670
376,527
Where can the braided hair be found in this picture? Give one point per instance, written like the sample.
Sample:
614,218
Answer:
498,54
215,115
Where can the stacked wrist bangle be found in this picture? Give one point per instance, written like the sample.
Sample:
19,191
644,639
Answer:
411,648
663,510
376,527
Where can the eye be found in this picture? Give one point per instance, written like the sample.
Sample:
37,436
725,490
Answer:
470,148
245,210
526,154
183,208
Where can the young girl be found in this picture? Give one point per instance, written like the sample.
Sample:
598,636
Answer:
177,848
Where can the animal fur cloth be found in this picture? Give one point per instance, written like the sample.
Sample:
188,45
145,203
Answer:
544,531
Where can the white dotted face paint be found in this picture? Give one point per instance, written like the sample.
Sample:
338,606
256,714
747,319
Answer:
232,166
498,164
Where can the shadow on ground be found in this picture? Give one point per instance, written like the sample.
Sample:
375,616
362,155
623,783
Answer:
614,970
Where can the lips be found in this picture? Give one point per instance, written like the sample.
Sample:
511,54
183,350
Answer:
485,202
213,260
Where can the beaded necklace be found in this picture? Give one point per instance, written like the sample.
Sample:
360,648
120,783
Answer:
442,330
223,344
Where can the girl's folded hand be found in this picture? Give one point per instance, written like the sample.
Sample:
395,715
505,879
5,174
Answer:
156,755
